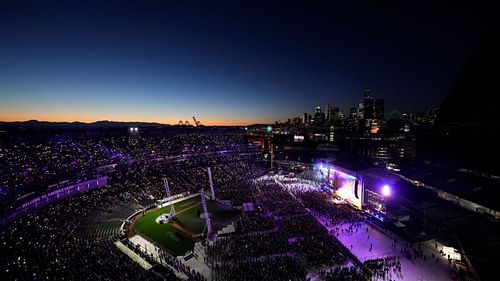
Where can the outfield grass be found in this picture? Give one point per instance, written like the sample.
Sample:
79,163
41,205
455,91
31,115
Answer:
187,214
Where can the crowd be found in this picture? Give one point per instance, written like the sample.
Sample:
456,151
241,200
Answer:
276,268
280,240
49,244
35,163
321,203
385,267
180,267
255,222
247,246
282,229
321,250
302,225
278,201
343,274
32,165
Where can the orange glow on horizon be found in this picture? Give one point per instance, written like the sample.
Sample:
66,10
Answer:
208,122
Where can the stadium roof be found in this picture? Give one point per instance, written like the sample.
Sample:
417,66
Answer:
479,189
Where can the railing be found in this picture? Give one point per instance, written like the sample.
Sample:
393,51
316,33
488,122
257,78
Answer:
50,198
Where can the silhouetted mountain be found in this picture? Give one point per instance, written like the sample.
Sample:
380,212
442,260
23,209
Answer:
98,124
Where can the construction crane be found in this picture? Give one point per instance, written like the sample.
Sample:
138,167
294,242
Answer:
196,122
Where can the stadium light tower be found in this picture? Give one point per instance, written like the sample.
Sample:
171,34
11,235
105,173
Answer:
328,176
212,192
169,194
208,223
272,155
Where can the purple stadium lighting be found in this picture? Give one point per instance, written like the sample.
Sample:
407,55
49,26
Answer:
324,171
386,190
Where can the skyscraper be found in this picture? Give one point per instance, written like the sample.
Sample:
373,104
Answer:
330,112
317,110
319,117
379,109
327,111
368,105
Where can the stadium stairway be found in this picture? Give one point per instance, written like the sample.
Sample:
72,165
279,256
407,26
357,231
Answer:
107,229
197,263
230,228
106,224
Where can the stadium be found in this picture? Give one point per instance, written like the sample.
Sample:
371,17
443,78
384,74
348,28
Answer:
196,204
248,141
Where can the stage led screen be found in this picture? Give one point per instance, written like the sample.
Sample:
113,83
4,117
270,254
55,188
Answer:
346,186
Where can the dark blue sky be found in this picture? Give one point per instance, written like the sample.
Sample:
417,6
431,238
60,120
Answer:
228,62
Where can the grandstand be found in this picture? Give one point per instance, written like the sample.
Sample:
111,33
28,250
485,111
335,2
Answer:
294,230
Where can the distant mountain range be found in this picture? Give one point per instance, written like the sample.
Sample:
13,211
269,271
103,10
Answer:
97,124
104,123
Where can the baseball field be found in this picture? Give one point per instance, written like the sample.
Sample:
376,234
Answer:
179,236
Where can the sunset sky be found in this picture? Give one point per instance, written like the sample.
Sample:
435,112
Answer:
225,62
